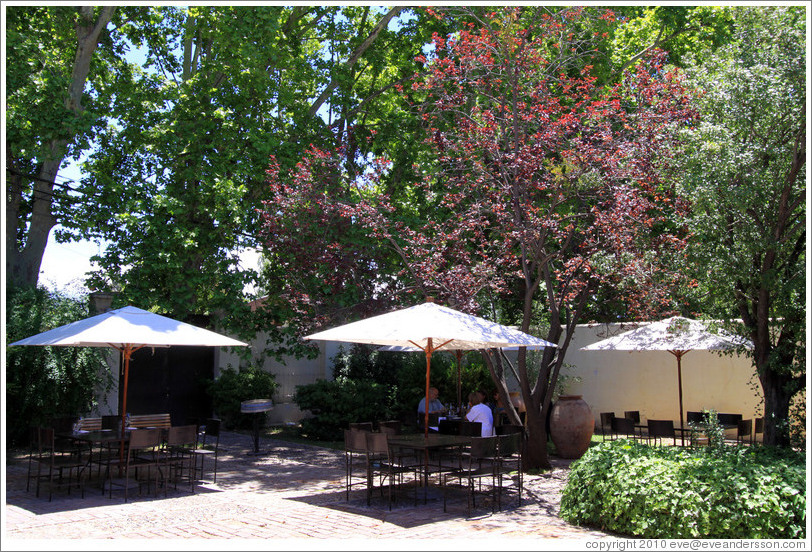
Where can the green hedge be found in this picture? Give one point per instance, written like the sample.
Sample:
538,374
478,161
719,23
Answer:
232,387
334,404
669,492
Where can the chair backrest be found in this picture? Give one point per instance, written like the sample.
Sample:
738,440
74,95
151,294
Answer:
693,417
730,420
144,438
362,426
661,428
355,440
377,443
744,428
45,440
623,426
390,426
111,421
470,429
606,420
449,427
509,429
484,447
510,444
182,435
633,415
759,425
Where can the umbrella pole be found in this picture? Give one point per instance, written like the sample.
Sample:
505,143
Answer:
459,379
428,380
679,354
127,351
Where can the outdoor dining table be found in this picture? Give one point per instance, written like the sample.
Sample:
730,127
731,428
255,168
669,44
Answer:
424,444
97,439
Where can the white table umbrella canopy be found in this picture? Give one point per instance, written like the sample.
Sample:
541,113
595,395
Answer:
676,335
129,326
671,334
430,327
128,329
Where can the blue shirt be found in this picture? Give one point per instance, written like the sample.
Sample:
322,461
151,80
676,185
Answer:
434,405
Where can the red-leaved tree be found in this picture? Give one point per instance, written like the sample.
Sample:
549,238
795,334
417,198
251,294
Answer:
541,189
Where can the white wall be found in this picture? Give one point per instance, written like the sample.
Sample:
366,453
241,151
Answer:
616,381
288,375
611,381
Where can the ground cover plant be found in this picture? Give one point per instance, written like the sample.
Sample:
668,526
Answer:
671,492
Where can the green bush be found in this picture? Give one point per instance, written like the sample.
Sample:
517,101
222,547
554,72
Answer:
233,387
668,492
46,382
404,374
334,404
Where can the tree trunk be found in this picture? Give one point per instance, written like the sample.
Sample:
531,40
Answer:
535,452
24,253
778,393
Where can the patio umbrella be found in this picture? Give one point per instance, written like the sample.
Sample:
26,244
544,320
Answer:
127,330
430,327
677,335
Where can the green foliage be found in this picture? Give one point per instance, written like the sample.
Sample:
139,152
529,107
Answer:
405,374
335,404
711,428
669,492
744,173
45,382
233,387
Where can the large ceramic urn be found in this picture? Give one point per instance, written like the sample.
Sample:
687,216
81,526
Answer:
571,426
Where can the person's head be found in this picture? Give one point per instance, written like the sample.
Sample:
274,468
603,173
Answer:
434,393
483,397
473,398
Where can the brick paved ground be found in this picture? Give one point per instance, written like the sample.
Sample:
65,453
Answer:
290,491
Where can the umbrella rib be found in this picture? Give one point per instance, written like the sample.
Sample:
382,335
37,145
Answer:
429,348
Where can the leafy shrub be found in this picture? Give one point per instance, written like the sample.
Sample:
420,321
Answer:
334,404
405,375
233,387
711,428
46,382
668,492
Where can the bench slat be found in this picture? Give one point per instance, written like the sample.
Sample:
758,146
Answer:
161,421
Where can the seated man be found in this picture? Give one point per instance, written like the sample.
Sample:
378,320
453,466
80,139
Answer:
435,406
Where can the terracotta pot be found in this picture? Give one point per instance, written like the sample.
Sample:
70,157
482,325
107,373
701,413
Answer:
571,426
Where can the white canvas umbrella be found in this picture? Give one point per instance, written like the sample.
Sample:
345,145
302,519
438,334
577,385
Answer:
430,327
127,330
677,335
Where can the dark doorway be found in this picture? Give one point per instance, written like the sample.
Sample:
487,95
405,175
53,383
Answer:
171,379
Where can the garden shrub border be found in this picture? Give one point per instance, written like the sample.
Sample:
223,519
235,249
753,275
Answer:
738,492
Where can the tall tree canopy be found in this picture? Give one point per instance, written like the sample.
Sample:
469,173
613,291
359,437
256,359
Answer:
538,185
746,175
52,54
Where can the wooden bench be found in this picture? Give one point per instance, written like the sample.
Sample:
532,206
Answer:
90,424
161,421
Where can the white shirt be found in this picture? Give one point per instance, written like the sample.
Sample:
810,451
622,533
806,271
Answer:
482,413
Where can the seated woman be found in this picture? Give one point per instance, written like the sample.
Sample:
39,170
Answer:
479,412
